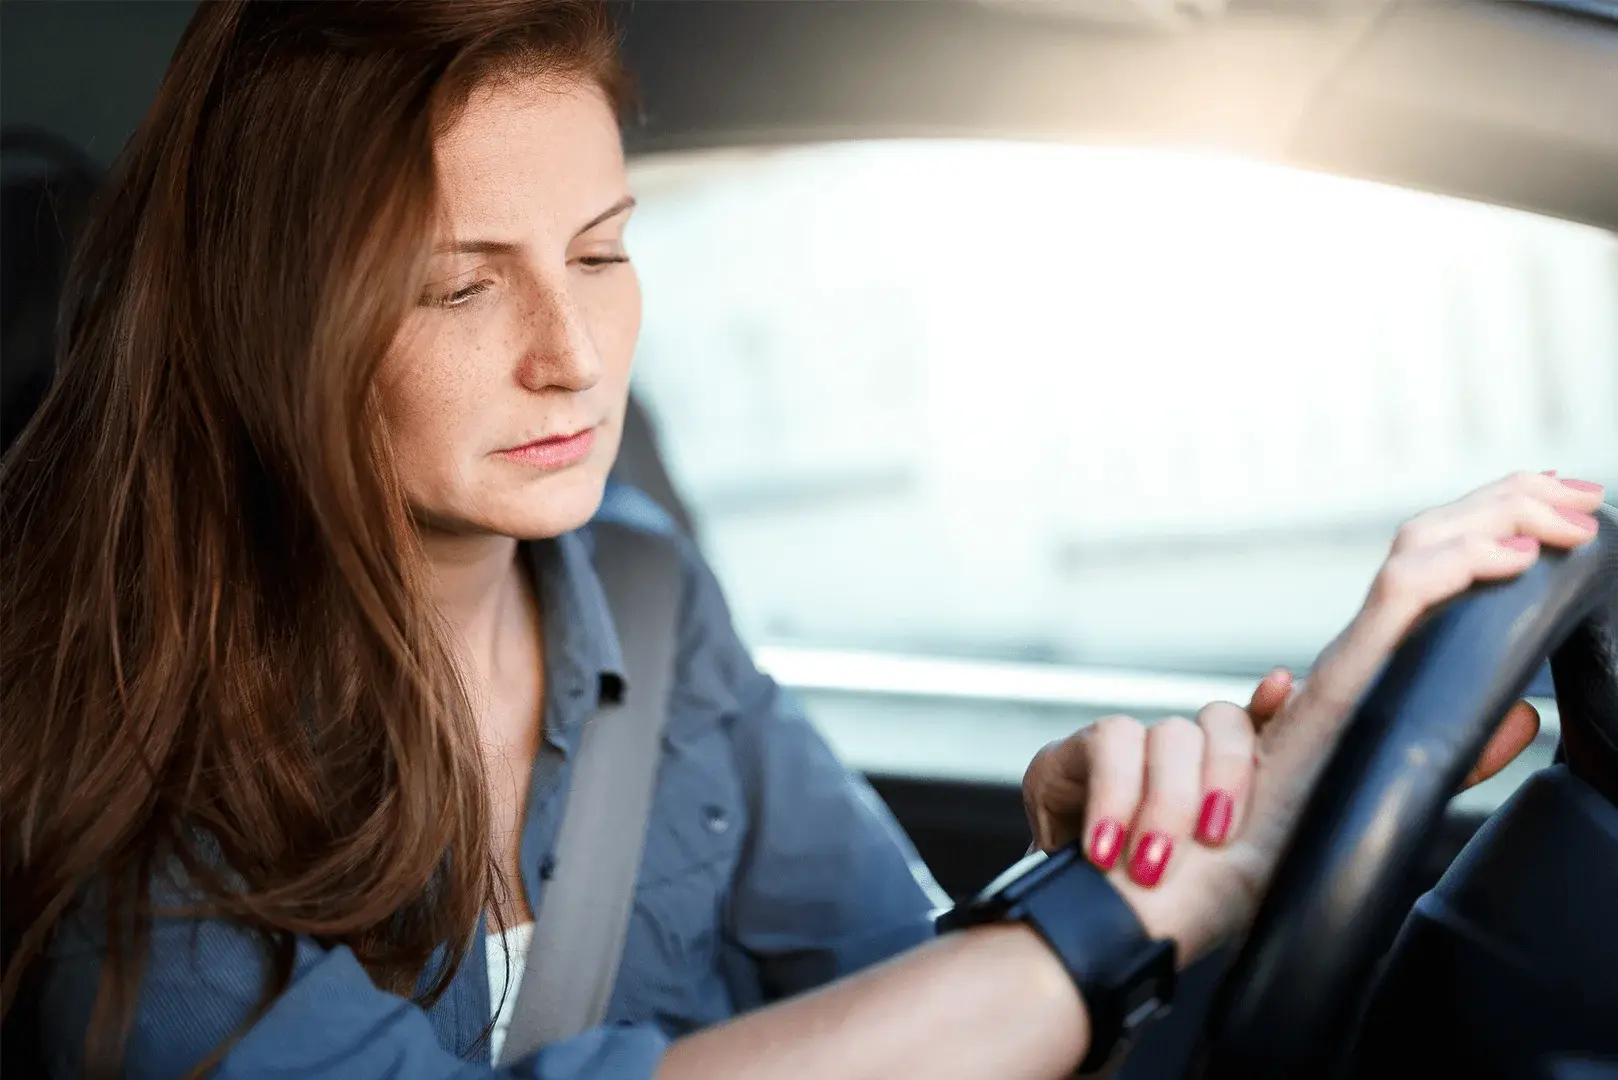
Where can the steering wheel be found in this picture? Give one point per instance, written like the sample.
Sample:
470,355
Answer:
1289,1004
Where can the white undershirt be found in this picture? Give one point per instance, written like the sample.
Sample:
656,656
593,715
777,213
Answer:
507,952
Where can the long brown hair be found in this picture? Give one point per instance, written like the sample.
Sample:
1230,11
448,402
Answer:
216,650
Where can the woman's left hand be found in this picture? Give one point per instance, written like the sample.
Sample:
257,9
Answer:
1056,786
1250,770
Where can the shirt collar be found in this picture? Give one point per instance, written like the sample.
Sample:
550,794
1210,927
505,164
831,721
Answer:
583,657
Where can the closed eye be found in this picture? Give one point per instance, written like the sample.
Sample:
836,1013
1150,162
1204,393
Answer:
598,262
456,298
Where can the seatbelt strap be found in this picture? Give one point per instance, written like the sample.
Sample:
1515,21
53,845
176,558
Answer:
583,919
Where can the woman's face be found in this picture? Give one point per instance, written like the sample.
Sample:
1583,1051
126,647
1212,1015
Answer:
504,394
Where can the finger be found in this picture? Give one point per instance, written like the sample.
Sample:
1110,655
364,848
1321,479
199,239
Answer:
1551,511
1117,774
1410,584
1174,751
1270,694
1055,789
1516,731
1229,743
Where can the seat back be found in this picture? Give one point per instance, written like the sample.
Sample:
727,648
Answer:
640,465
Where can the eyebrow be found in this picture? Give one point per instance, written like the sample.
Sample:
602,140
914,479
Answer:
622,206
505,247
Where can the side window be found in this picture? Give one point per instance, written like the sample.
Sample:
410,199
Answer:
992,437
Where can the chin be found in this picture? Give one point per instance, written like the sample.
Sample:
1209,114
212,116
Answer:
558,504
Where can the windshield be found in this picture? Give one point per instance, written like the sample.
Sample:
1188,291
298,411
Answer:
1091,408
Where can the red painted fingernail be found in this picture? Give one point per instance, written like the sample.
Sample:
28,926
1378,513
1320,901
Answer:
1105,841
1520,543
1577,517
1215,820
1581,485
1151,856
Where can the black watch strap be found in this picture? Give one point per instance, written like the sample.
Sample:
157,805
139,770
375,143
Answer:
1126,977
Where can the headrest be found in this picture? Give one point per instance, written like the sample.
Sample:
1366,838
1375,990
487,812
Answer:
46,183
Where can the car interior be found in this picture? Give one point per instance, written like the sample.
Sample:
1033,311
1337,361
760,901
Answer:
1509,966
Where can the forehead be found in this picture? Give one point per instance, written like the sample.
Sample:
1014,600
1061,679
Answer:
530,151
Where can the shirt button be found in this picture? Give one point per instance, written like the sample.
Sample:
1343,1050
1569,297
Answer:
547,868
715,819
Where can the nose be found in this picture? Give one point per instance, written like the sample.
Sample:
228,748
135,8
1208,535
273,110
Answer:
560,352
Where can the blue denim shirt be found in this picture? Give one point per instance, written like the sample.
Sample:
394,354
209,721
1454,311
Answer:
768,870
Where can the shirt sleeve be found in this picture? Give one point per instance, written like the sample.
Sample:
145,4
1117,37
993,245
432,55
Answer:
827,882
203,980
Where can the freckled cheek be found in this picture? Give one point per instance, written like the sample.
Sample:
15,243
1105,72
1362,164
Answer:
432,407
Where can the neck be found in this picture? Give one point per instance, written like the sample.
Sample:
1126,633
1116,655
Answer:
480,588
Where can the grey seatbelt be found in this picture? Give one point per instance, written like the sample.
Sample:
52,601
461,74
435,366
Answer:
579,933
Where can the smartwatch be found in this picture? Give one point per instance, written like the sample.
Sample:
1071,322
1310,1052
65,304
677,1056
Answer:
1127,979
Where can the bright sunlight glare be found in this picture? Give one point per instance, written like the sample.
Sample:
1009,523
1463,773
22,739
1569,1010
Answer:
1098,405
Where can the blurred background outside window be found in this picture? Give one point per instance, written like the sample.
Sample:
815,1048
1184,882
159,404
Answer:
995,436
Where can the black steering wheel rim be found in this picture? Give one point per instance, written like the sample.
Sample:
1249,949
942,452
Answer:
1290,1001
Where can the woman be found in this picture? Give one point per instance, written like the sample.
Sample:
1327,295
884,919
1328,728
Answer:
300,622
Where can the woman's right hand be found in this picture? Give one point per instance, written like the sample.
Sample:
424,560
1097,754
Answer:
1164,786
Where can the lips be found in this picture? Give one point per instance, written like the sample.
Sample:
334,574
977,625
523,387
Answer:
556,452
